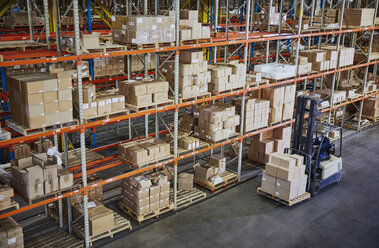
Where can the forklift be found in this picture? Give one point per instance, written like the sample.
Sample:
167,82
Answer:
311,139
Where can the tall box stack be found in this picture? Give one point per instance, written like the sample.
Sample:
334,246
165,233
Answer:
11,235
215,122
227,76
303,66
190,28
256,112
276,97
358,17
193,74
145,194
144,92
89,100
284,177
143,29
345,56
144,151
289,101
6,192
263,145
40,99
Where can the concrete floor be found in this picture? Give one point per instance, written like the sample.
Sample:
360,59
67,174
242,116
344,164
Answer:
345,215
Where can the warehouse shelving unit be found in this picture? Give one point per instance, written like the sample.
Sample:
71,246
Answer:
241,36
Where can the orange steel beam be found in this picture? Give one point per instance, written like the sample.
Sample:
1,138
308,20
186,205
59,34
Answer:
253,37
74,128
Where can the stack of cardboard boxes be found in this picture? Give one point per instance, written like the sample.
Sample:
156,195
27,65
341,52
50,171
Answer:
145,194
187,122
69,18
100,218
330,16
193,74
108,66
282,101
11,235
144,92
208,172
35,176
21,151
371,107
285,176
338,95
20,19
143,29
261,21
138,66
253,77
188,143
190,28
303,66
98,105
358,17
256,112
215,122
40,99
40,147
6,192
227,76
24,69
327,58
144,151
264,145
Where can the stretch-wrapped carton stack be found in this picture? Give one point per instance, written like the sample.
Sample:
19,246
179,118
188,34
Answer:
256,112
6,192
193,74
358,17
210,171
108,66
145,194
284,177
227,76
38,175
143,29
144,92
263,145
11,235
41,99
215,122
144,151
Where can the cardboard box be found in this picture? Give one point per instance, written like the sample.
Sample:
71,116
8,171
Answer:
204,172
5,203
268,187
6,191
65,179
51,185
50,96
287,174
271,169
11,235
101,219
185,181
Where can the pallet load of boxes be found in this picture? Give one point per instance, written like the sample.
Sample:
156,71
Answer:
41,100
145,195
226,77
284,177
11,235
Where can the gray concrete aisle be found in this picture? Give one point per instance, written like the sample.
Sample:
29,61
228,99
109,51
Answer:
346,215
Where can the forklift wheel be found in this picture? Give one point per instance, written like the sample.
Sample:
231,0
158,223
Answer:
315,187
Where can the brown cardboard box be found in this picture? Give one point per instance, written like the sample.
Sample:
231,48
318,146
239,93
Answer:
65,178
65,106
51,108
160,97
287,174
89,93
51,185
5,203
118,103
65,95
271,169
267,178
285,194
50,96
32,99
11,235
185,181
290,185
268,187
204,172
6,191
141,100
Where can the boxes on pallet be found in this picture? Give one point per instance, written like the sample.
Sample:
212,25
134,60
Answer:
188,143
108,66
215,122
256,112
11,233
371,107
227,76
6,192
144,151
20,19
208,171
284,177
276,71
187,122
263,145
338,96
145,194
358,17
144,92
34,98
190,28
193,74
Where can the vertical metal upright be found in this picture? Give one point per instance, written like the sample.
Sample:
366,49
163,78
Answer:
89,28
319,38
47,22
279,31
338,50
366,69
268,30
245,61
81,119
176,99
146,73
57,28
129,67
30,19
215,25
299,33
226,30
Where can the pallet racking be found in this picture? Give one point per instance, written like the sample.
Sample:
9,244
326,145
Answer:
239,38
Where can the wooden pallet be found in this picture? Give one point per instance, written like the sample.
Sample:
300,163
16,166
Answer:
106,116
58,239
140,218
371,118
226,91
227,179
295,200
120,224
279,80
135,108
13,205
21,45
186,198
257,84
182,151
232,136
353,124
106,47
108,76
356,96
90,157
194,98
196,41
139,166
147,46
277,123
27,131
54,193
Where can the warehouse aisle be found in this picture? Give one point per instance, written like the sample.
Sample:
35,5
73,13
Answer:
342,216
